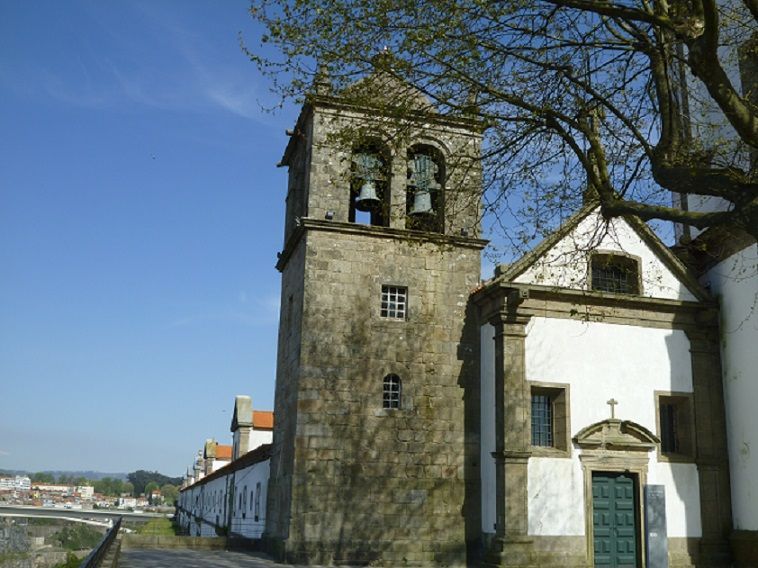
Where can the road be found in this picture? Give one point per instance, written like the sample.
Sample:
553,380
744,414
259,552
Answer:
194,559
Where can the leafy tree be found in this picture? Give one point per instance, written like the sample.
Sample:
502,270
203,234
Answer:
43,477
582,98
141,478
170,493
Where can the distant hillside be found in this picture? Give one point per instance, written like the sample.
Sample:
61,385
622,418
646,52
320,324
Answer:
88,474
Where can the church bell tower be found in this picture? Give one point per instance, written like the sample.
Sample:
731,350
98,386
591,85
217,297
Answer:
375,449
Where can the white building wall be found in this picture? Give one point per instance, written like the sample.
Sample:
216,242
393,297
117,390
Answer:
735,282
565,264
598,361
246,492
260,437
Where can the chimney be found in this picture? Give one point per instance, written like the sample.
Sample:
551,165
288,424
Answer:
242,424
209,455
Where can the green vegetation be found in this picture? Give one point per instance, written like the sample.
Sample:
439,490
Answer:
170,493
159,527
113,487
72,561
78,537
141,478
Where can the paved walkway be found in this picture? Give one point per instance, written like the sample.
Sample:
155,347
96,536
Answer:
193,559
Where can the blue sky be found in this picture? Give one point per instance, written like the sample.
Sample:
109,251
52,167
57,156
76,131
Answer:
140,216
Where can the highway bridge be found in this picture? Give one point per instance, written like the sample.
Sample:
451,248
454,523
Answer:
100,516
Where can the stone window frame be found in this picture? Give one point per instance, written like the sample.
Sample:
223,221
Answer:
688,436
406,311
438,156
637,260
376,146
560,397
614,462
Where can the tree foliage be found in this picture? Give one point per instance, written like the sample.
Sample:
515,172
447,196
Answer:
631,103
141,478
170,493
112,487
78,536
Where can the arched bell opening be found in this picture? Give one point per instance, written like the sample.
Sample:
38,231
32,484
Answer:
425,189
369,184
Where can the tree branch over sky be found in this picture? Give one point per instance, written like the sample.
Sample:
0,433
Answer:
581,97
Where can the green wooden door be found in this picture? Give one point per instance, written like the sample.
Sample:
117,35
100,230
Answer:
614,519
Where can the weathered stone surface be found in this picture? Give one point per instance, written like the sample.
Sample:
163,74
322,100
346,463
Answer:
353,482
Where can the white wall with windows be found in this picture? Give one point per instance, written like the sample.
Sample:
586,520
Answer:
598,362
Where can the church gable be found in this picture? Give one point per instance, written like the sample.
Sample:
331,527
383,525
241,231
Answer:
619,255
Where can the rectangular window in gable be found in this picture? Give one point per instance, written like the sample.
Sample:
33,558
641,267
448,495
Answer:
615,273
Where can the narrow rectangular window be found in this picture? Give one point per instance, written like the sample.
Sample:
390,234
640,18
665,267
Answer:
391,391
669,429
542,420
257,500
675,426
394,302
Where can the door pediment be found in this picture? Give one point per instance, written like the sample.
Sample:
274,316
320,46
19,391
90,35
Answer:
618,435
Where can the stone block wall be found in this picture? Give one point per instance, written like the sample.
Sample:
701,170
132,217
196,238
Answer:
370,484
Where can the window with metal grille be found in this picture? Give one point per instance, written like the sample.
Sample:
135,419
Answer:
392,391
675,426
542,420
615,273
394,302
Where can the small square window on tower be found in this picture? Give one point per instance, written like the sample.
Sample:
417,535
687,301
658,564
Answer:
394,302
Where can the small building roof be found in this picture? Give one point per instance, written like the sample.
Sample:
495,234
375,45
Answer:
263,419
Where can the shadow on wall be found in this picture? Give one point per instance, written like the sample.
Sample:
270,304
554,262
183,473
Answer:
375,483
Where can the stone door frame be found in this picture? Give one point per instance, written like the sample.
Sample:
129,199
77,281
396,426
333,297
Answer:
615,446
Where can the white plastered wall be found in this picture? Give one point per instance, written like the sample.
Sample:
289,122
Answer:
566,264
244,522
735,282
599,361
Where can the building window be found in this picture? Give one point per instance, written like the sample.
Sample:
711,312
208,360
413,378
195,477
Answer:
615,273
392,391
369,187
257,501
542,420
675,426
424,203
550,419
394,302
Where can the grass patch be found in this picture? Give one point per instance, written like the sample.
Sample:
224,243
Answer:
159,527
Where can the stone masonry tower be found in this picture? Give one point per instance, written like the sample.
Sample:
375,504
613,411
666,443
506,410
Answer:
375,447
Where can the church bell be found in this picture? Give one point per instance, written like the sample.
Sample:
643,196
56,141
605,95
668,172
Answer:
422,203
367,198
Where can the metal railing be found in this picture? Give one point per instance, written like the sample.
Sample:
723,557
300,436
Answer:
95,558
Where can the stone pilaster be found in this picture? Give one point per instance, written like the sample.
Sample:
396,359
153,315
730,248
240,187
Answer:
712,455
512,443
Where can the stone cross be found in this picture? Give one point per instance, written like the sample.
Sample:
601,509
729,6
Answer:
612,403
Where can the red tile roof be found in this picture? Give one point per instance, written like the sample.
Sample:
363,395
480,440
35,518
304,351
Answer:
223,452
263,420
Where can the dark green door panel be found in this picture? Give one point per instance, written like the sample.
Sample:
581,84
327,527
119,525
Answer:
614,520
